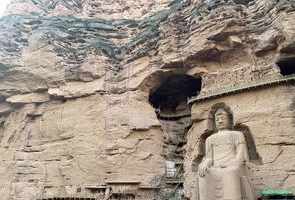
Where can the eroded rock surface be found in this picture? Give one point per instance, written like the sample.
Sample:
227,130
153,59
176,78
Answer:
75,81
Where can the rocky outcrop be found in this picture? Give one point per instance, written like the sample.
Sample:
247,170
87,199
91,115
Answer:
76,79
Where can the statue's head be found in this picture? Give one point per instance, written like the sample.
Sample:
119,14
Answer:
223,118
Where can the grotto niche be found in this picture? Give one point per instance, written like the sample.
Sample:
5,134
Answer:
110,100
170,102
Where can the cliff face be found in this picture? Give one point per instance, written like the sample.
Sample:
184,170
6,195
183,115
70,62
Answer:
79,79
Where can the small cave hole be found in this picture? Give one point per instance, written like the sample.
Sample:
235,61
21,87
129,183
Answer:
287,66
244,2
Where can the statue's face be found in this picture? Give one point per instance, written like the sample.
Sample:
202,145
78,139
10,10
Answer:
222,120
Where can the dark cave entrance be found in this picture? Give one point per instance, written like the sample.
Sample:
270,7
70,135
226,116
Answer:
170,102
244,2
287,66
171,96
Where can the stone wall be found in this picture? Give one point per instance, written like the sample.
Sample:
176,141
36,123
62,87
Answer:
49,148
75,80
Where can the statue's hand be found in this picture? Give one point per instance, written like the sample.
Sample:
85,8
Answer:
203,167
202,170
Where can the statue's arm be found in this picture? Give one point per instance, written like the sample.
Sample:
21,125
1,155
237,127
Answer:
209,153
207,160
242,151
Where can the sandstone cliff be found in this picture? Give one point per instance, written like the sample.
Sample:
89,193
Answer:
80,82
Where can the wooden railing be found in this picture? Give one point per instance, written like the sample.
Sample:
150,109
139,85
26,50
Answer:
241,88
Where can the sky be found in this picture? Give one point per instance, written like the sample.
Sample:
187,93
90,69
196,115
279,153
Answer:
3,5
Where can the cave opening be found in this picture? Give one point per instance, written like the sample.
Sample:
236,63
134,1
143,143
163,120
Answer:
171,96
170,102
287,66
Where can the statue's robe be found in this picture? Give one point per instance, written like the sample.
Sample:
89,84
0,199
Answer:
226,148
